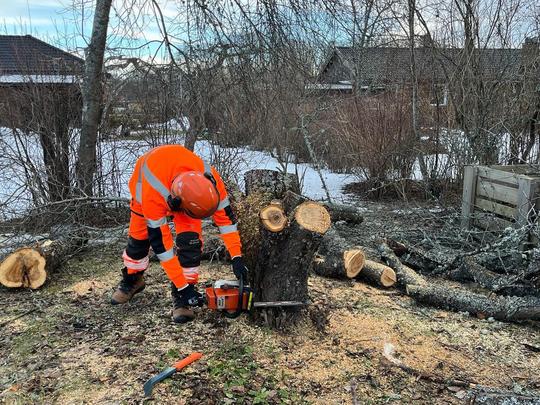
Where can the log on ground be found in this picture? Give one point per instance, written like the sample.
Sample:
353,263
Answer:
30,266
459,299
336,258
284,261
468,270
404,274
377,274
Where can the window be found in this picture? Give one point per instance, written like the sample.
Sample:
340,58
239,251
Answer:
439,95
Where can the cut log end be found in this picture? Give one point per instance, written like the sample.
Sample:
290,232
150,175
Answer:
313,217
378,274
23,268
273,217
388,277
353,261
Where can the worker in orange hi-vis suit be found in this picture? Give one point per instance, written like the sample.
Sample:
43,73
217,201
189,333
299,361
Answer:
172,181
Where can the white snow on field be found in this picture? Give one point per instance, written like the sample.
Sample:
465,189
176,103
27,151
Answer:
21,166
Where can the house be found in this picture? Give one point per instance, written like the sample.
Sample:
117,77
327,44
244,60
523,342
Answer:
385,68
26,59
40,94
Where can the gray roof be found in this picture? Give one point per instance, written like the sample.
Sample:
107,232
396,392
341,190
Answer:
25,54
385,65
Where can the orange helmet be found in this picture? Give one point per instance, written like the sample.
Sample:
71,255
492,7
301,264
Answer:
194,193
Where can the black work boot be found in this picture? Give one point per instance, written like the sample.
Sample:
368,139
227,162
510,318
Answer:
181,312
130,285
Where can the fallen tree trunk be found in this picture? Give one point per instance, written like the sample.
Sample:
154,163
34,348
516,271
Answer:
270,182
405,275
458,299
285,259
419,259
336,258
468,270
377,274
338,212
30,266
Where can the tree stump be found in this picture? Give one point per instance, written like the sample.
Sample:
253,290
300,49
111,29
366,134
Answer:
270,182
29,266
285,259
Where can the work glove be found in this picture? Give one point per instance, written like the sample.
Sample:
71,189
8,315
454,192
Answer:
239,269
190,297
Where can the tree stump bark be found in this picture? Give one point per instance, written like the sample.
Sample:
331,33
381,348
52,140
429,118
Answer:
29,266
270,182
336,258
285,259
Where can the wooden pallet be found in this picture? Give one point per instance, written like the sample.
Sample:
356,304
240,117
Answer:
497,197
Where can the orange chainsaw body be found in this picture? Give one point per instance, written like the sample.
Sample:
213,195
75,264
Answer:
224,296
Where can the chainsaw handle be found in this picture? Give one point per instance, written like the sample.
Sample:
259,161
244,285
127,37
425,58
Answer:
238,312
179,365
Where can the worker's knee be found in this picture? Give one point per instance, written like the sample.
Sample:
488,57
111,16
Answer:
189,249
137,249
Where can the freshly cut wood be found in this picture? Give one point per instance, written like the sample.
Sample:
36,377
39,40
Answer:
270,182
459,299
378,274
284,260
273,217
23,268
338,212
313,217
405,275
336,258
29,266
353,261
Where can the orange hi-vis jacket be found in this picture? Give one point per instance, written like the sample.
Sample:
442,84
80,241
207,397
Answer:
150,186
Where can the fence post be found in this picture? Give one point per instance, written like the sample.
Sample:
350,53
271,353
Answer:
469,193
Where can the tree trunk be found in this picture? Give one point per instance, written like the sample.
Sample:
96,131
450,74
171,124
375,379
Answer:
458,299
30,266
92,94
405,275
284,261
338,212
469,270
377,274
270,182
336,258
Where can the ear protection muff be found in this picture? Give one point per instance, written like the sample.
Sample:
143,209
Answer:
174,203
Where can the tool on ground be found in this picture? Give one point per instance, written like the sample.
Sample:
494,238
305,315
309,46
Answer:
149,385
233,298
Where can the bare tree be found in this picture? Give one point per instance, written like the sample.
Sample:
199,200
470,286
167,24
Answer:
92,97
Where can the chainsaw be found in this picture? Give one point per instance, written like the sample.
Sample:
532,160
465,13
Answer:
233,298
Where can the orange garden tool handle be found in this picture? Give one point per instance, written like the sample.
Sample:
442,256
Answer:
179,365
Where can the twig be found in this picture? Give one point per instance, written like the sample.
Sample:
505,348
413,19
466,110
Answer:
19,316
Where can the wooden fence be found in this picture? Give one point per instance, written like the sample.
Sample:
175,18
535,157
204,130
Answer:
497,197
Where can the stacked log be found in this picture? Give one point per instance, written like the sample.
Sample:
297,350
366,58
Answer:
338,258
